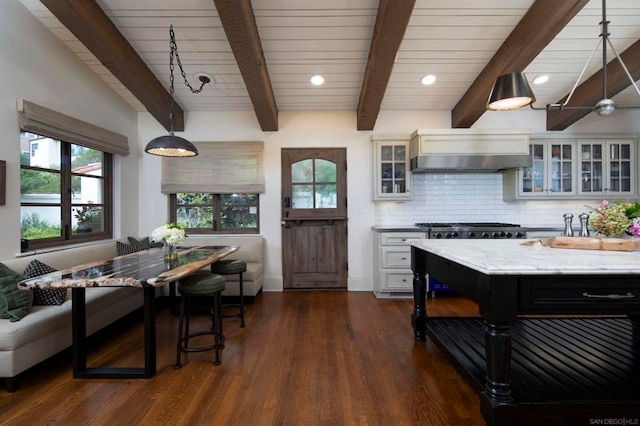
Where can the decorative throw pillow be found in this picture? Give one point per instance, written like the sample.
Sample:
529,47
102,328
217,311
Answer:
145,243
14,303
124,248
49,296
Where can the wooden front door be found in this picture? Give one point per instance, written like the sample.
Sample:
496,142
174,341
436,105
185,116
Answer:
314,217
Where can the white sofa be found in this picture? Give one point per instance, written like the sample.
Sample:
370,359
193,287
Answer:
46,330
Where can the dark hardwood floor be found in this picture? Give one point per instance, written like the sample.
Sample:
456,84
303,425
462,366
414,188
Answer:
305,358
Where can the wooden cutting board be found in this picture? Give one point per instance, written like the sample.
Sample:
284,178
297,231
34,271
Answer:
588,243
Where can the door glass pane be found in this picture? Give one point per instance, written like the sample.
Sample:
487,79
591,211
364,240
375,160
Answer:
326,196
597,152
399,153
566,152
399,170
625,151
302,196
538,152
40,222
597,176
586,152
302,171
386,153
325,171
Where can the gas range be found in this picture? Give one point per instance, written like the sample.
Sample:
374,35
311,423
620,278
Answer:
486,230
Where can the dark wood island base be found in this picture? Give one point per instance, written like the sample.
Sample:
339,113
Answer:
580,368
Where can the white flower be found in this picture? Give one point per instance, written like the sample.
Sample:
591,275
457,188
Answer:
168,234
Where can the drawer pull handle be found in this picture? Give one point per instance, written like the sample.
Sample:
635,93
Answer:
404,258
609,296
404,239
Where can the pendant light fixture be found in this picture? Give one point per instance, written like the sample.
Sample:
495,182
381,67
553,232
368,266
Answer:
511,91
172,145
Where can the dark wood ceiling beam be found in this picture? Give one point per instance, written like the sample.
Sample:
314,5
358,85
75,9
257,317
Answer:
239,24
88,22
544,20
590,92
391,24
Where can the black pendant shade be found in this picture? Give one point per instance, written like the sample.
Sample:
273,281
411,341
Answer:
510,91
171,146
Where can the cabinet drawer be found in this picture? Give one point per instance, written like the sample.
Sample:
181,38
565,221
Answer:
396,257
573,295
397,281
399,238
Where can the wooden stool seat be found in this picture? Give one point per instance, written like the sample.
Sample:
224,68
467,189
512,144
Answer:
231,267
200,285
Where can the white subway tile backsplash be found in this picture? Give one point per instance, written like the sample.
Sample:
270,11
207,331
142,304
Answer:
472,198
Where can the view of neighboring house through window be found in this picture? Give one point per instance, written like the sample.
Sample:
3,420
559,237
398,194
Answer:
203,213
65,191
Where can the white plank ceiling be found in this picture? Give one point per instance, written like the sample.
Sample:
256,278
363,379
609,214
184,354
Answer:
452,39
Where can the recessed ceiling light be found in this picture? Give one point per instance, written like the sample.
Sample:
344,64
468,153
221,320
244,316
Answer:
428,79
541,79
317,80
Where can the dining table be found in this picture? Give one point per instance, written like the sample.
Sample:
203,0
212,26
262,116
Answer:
147,270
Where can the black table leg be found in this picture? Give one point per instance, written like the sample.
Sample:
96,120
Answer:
419,315
79,348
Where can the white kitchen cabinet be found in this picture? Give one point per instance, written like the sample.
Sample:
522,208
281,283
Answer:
391,175
607,168
551,175
392,273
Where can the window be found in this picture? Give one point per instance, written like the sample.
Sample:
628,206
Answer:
205,213
65,191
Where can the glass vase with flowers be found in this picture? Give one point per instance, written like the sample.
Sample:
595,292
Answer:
170,235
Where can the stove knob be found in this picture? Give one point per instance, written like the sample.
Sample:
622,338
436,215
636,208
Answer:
452,235
495,235
503,234
438,235
485,235
472,234
520,235
509,235
456,235
448,235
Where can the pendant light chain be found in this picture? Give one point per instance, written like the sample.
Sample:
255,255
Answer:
174,50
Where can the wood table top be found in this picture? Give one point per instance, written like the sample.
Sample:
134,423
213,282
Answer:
145,268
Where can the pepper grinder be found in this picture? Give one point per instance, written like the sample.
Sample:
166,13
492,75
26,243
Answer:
584,220
568,231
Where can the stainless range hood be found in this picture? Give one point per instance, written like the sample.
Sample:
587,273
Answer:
469,150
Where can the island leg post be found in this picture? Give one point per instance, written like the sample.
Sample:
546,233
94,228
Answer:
497,404
419,315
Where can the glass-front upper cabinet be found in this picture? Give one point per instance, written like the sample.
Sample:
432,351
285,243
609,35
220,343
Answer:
391,176
551,173
606,168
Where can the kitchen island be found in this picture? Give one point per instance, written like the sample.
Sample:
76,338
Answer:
558,336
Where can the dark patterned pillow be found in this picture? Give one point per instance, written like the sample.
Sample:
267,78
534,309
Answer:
124,248
145,243
44,297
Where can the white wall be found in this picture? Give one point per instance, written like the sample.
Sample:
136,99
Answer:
436,197
36,66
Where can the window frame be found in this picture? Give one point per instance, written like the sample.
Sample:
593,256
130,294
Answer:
217,212
66,203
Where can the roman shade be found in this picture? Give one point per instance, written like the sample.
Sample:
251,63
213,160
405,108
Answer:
44,121
220,168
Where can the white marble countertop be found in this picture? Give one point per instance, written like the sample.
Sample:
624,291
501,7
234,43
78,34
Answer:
510,257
